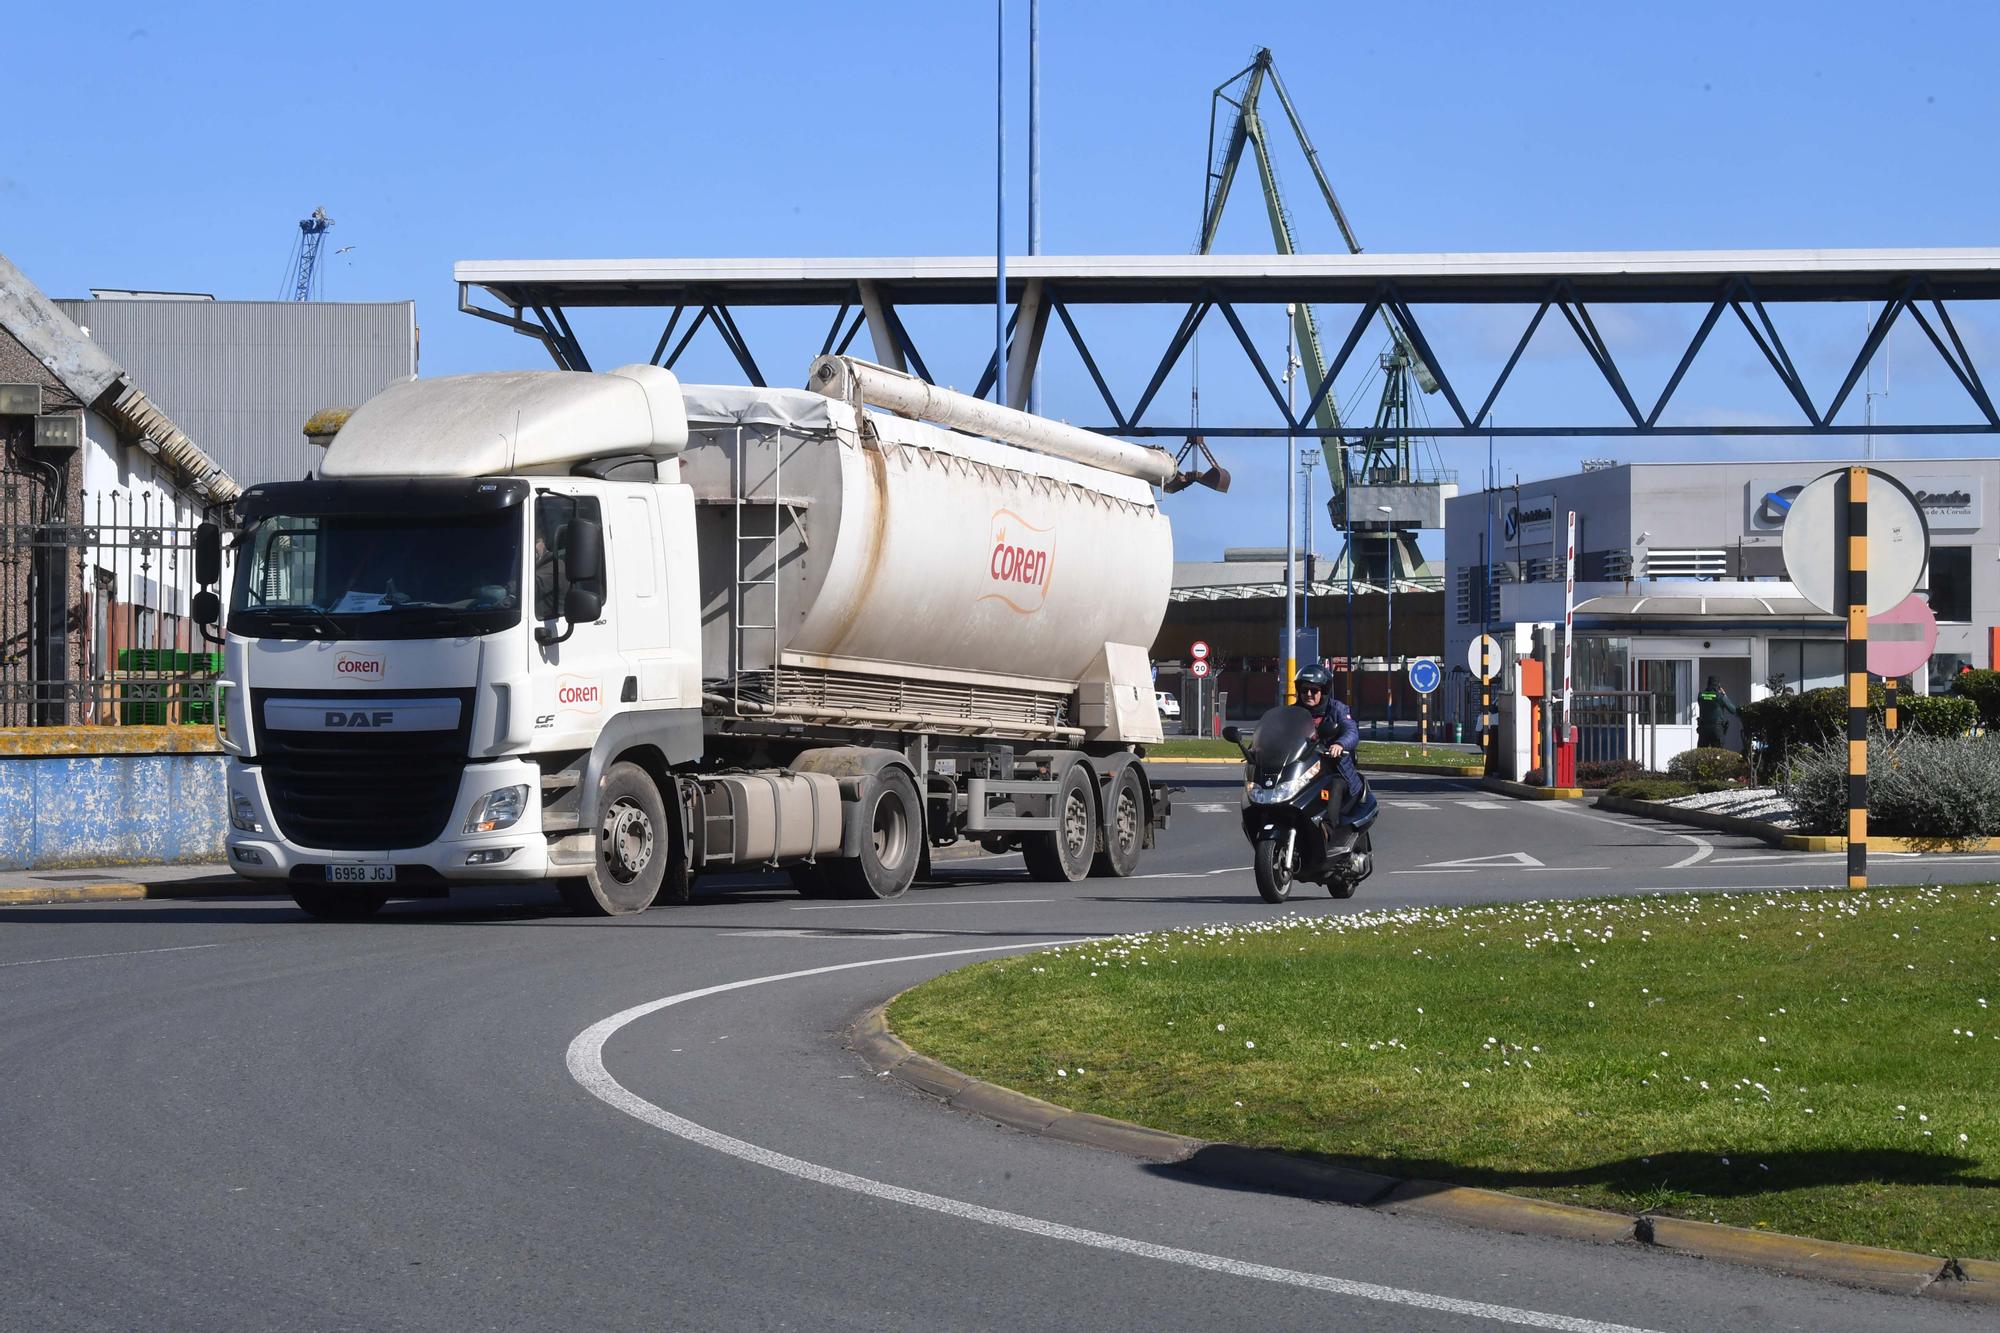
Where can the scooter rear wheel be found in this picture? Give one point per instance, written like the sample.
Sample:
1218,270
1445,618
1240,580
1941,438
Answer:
1274,870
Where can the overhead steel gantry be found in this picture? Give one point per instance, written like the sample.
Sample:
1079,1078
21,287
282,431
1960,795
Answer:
536,297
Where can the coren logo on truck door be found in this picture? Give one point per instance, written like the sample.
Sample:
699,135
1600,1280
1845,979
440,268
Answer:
578,694
352,665
1020,563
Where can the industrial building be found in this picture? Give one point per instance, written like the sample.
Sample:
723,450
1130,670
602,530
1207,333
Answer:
243,377
1236,605
1680,576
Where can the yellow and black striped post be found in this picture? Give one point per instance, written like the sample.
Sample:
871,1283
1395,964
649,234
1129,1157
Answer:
1852,497
1889,707
1486,703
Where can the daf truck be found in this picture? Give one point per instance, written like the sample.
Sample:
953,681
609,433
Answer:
613,631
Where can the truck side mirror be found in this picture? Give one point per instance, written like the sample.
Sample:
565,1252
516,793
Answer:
206,608
583,561
208,558
582,604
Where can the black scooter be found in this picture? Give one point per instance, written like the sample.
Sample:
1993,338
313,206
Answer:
1297,812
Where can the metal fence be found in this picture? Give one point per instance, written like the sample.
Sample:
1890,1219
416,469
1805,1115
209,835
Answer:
1616,724
94,600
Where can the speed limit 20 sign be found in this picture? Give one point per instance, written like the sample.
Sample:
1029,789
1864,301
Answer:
1200,669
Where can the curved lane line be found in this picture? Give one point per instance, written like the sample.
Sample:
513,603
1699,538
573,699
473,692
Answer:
1703,847
585,1059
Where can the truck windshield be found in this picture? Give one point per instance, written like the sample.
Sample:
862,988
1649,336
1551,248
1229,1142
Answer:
326,576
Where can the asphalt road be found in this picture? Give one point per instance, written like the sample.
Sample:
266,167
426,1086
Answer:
479,1114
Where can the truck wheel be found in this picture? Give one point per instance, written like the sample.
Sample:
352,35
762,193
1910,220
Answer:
634,847
1124,827
891,840
337,904
1063,853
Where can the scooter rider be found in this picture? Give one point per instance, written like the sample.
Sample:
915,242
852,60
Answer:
1337,733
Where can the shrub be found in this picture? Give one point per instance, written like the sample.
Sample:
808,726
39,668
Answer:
1785,722
1657,788
1604,772
1982,688
1919,786
1710,763
1940,714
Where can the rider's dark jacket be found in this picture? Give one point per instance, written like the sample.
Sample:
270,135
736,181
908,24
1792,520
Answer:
1336,727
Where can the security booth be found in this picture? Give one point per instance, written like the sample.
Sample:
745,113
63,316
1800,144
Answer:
1680,581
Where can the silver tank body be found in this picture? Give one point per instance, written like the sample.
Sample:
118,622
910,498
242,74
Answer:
839,544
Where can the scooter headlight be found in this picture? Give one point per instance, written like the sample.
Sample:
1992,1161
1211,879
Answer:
1285,788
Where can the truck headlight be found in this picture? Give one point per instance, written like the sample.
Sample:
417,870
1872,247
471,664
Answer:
497,809
242,814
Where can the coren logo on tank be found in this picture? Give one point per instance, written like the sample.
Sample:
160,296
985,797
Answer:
1020,563
578,694
349,666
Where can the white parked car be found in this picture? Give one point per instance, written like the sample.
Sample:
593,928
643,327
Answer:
1170,707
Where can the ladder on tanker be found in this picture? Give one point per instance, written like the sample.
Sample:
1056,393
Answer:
745,548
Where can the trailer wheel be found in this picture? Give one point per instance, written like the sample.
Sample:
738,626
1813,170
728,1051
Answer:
1124,827
635,847
1062,854
338,905
891,839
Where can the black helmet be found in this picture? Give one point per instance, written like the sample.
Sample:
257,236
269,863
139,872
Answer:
1314,675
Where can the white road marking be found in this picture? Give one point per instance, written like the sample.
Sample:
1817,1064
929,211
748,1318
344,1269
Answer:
585,1060
1703,847
1482,805
1215,808
1497,861
898,902
1411,805
1473,870
123,953
781,933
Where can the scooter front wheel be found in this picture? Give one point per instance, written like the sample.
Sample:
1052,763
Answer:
1274,869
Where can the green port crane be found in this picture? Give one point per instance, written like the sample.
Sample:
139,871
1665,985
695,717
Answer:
1380,459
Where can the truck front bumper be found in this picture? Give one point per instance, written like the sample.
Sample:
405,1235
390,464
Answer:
518,852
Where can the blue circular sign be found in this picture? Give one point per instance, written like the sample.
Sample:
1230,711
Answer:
1424,675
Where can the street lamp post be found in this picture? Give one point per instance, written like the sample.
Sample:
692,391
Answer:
1309,459
1291,519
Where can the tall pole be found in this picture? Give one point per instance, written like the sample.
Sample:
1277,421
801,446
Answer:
1035,166
1000,205
1309,459
1291,521
1347,500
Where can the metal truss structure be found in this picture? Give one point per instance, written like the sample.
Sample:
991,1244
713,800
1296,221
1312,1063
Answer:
536,297
1247,592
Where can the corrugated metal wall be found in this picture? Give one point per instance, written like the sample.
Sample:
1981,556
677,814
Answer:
241,377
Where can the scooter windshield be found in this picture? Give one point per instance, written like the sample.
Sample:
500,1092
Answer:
1283,735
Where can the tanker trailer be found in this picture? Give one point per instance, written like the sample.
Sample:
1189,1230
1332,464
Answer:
614,631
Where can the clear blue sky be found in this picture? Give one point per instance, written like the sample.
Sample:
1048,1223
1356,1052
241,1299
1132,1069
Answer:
176,146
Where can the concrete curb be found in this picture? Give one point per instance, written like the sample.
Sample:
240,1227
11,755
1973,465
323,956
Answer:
1779,837
1522,791
1425,770
120,891
1195,759
1974,1281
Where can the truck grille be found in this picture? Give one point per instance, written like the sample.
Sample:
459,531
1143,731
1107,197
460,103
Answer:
355,790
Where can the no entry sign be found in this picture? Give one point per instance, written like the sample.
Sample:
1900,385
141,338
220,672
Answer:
1902,639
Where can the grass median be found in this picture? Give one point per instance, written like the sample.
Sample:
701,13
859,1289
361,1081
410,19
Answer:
1824,1064
1375,752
